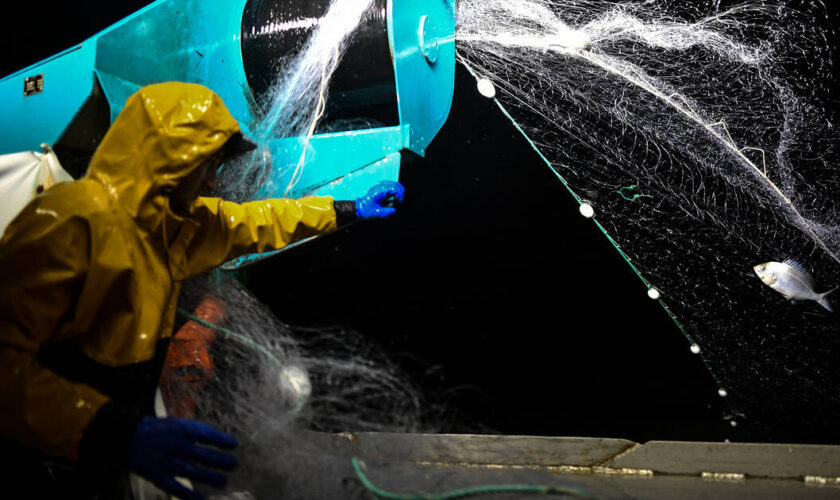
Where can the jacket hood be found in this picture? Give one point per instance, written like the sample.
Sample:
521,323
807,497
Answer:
163,133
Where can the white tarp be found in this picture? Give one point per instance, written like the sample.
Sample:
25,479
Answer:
23,176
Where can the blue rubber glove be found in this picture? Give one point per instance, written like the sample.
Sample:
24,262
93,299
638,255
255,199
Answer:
379,202
163,448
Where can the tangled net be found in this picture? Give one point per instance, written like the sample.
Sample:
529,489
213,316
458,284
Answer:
294,106
234,365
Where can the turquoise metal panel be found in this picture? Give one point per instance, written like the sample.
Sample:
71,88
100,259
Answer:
422,37
29,121
187,40
329,157
359,181
117,90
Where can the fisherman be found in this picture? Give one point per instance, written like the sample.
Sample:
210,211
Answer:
91,272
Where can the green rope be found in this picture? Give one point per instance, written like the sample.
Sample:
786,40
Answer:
603,230
465,492
635,196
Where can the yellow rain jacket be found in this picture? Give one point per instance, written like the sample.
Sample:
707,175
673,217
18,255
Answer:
91,270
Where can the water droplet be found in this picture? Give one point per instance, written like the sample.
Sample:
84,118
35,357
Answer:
722,392
586,210
695,348
653,293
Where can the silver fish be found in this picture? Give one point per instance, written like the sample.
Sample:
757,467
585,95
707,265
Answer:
791,280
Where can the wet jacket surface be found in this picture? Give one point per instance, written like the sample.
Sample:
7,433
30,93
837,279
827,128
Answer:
91,272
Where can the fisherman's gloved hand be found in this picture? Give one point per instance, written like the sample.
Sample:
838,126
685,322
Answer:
379,202
163,448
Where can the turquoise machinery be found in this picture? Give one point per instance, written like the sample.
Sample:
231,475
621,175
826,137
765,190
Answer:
396,79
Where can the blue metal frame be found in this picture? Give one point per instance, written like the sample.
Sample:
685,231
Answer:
422,37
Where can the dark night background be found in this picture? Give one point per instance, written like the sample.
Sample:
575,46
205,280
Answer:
488,287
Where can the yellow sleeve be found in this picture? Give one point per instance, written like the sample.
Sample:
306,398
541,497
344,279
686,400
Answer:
226,230
43,261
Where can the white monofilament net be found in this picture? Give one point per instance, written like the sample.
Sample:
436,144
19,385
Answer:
234,365
700,136
294,104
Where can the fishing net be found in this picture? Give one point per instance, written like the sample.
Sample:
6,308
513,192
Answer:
700,138
234,365
294,105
